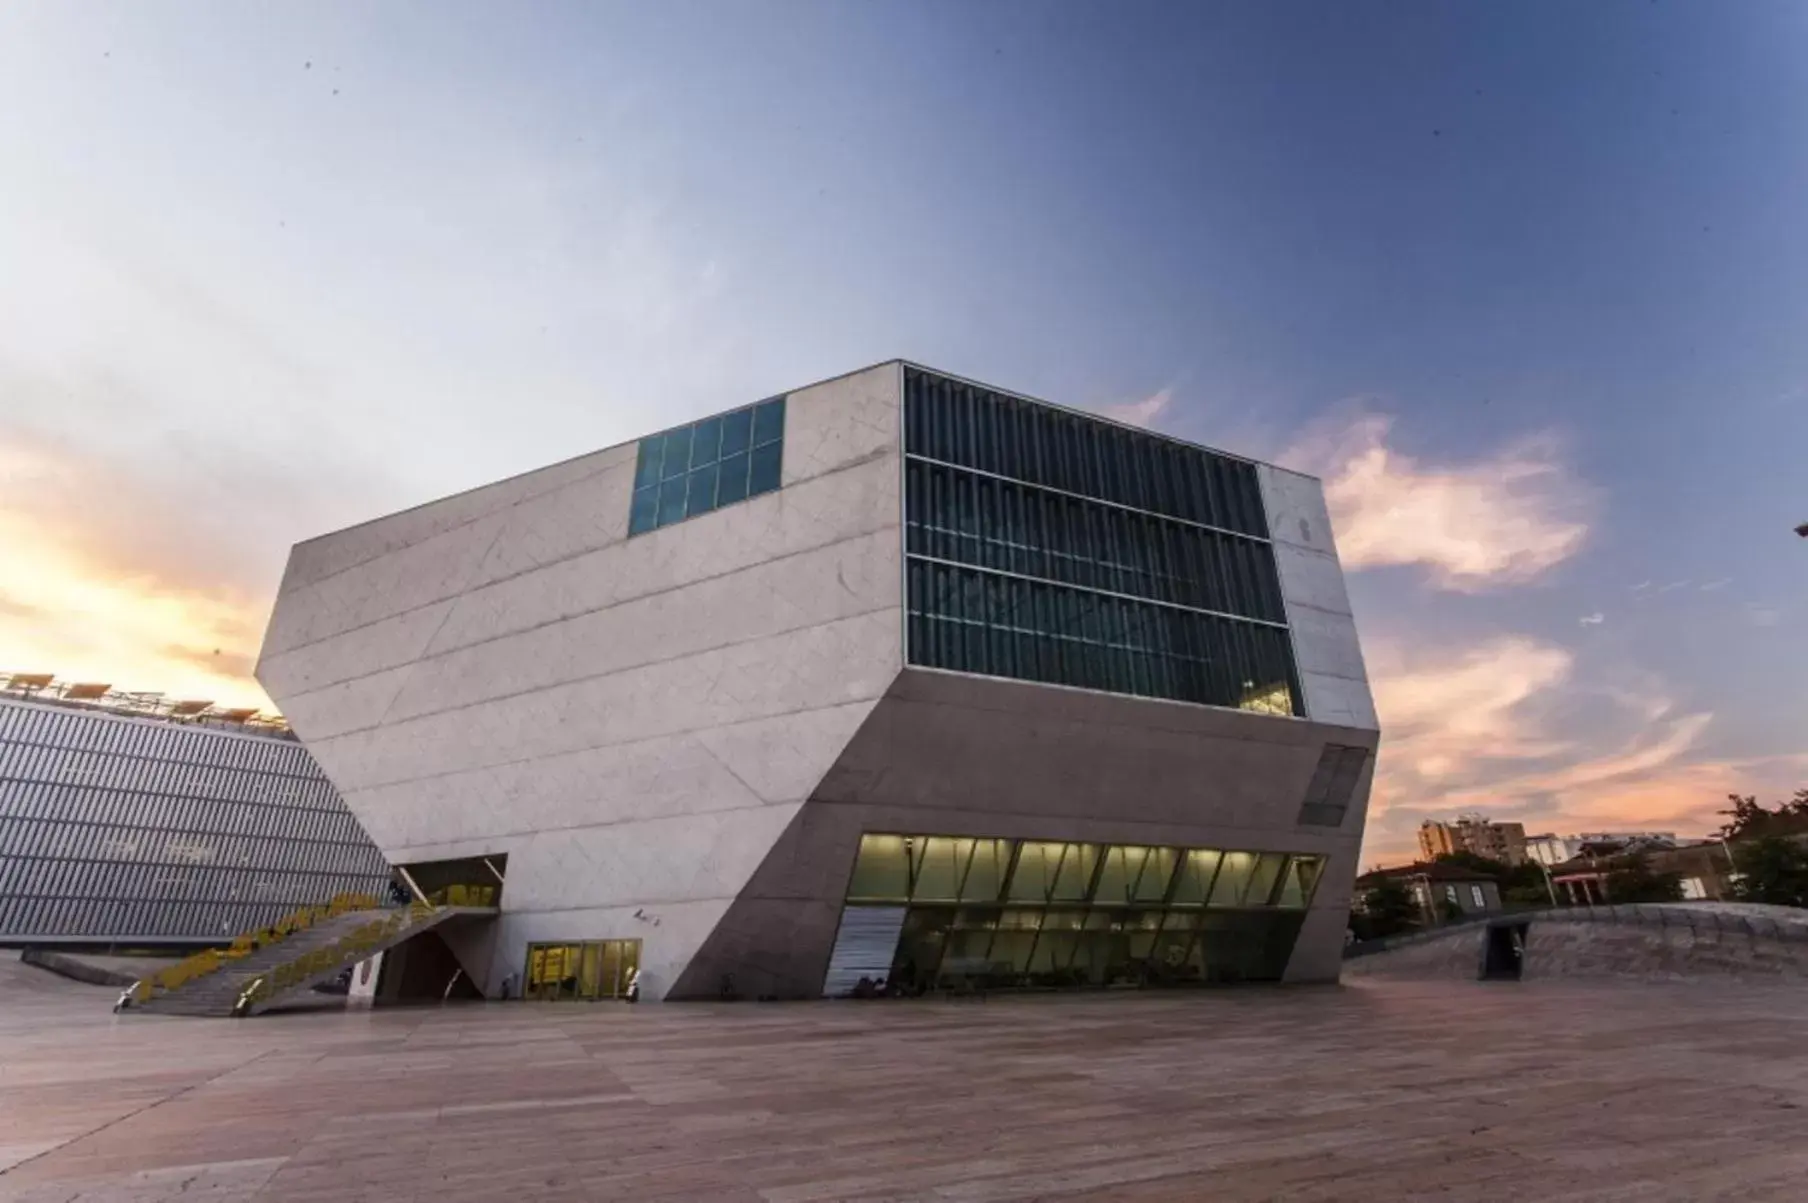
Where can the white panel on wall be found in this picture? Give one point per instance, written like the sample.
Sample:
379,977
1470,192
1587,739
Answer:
1325,643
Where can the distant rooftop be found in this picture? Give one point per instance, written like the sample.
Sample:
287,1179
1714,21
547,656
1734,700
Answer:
194,712
1436,870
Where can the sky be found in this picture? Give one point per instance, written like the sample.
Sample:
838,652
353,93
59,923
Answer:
1525,284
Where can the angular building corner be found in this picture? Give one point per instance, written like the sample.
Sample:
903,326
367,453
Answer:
893,675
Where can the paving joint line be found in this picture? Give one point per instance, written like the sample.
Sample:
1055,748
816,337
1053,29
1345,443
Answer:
151,1106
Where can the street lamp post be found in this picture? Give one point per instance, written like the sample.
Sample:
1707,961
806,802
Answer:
1548,883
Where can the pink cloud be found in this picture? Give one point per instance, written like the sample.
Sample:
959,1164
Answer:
1507,518
1141,413
1505,728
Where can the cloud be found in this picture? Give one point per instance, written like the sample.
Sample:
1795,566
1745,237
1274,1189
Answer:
1504,519
1444,714
1674,585
1711,586
1593,620
1642,586
1762,615
1506,728
11,607
1141,413
112,580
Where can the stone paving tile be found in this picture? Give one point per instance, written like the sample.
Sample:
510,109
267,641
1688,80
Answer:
1379,1090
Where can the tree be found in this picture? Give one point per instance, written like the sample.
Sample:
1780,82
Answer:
1388,909
1773,870
1746,819
1518,883
1633,880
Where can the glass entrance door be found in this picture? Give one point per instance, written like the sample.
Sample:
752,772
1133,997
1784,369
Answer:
584,970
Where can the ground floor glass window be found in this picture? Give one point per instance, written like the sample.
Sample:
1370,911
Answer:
998,913
579,970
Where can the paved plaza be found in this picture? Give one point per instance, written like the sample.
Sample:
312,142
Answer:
1378,1090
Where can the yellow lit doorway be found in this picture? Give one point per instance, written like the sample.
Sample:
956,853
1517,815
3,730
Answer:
579,971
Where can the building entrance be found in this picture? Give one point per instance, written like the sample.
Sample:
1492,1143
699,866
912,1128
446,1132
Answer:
1504,958
579,971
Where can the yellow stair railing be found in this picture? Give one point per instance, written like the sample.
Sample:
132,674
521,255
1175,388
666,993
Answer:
211,960
356,945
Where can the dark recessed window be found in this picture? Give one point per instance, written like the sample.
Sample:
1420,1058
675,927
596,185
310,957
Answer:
707,465
1048,546
1333,783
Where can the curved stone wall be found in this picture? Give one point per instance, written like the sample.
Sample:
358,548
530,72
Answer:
1648,942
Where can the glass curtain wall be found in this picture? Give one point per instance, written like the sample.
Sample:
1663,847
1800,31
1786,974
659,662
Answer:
125,829
1003,913
1048,546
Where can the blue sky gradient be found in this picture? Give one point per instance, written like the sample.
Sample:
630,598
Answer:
1530,278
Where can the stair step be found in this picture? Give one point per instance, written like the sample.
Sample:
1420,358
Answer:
217,993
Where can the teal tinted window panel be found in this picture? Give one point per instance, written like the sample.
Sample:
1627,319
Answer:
672,500
731,483
713,462
737,432
765,469
643,514
677,453
706,442
769,421
702,494
646,469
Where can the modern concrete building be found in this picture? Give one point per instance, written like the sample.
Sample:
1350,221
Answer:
135,821
895,675
1504,842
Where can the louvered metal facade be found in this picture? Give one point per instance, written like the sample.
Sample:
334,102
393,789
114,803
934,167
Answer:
120,830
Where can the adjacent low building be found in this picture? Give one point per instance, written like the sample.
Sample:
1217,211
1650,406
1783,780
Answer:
1706,870
1551,850
896,675
134,821
1441,889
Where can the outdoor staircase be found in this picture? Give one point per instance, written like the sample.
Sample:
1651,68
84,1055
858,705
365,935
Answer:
261,971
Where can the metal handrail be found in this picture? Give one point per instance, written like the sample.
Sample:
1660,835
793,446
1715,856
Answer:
349,949
211,960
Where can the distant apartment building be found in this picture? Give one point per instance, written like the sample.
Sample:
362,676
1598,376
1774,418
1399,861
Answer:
134,820
1549,850
1505,842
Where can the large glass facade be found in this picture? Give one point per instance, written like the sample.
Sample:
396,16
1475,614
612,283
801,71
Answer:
143,830
1048,546
707,465
1004,913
